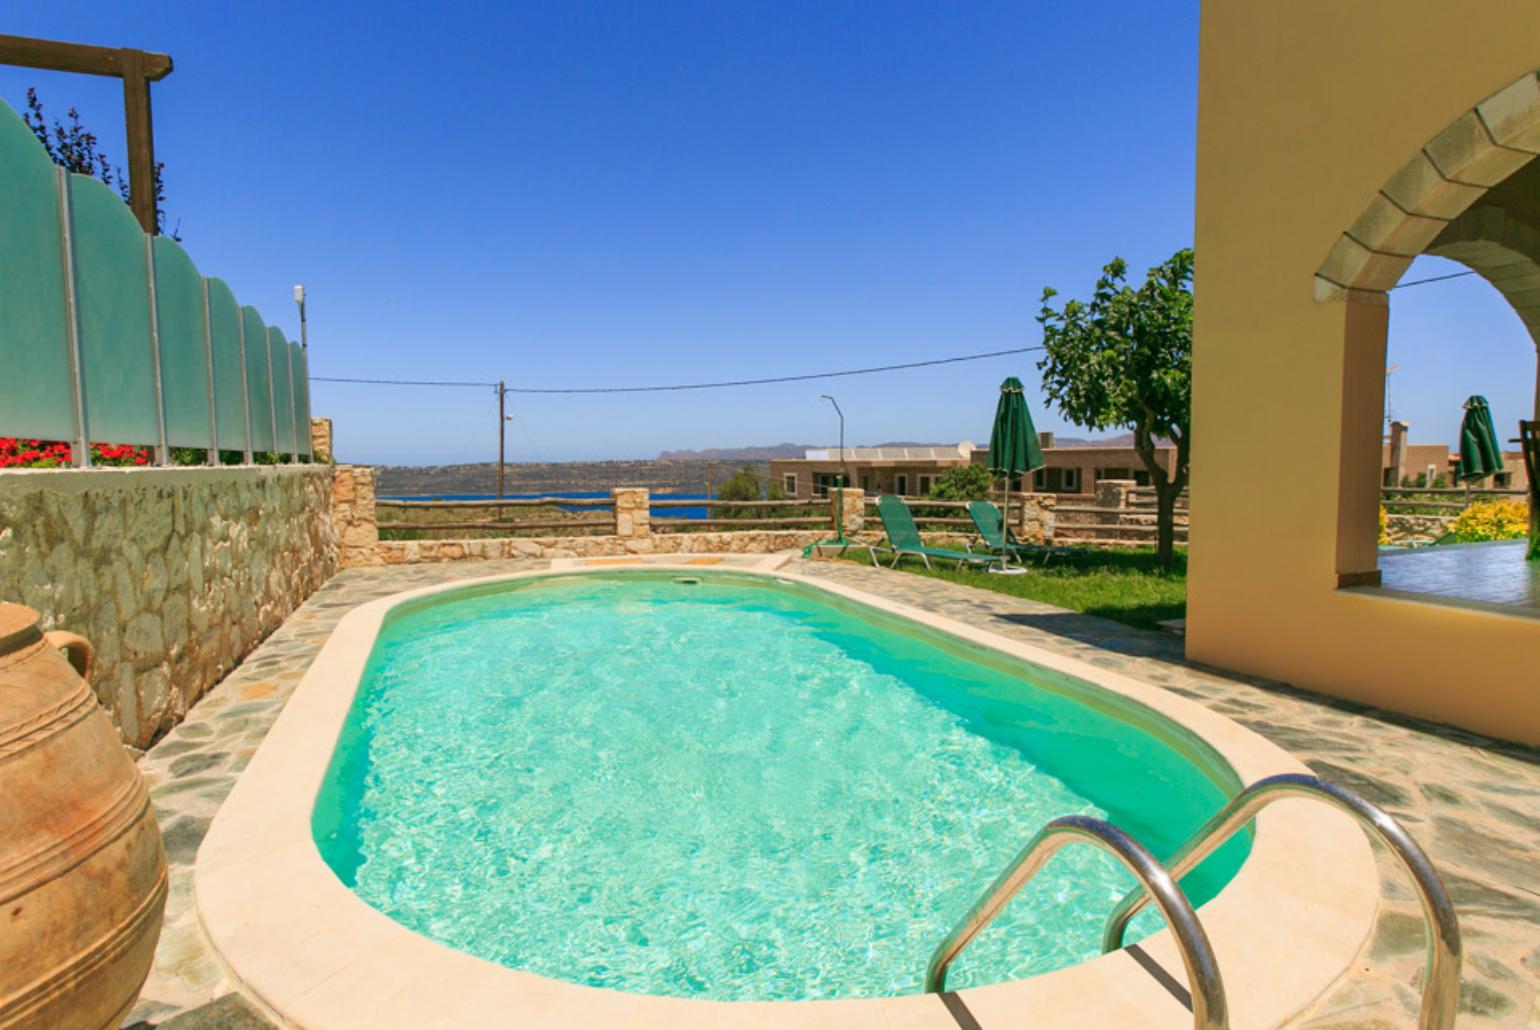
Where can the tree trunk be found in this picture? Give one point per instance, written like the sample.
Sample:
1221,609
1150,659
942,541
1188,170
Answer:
1165,523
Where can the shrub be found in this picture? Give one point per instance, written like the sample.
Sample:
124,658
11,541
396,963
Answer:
963,483
1384,527
1492,520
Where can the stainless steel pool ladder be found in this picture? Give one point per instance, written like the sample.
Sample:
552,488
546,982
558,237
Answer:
1441,973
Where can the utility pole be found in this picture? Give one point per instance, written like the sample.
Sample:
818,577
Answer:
502,436
137,69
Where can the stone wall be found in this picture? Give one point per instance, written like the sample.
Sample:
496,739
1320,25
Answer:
1035,519
174,574
1416,529
1032,516
353,514
1118,521
321,440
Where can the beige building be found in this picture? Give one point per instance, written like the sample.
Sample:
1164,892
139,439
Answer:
1402,461
912,471
1336,141
906,471
1076,470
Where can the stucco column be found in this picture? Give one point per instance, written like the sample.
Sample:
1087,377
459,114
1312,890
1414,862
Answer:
633,512
1359,474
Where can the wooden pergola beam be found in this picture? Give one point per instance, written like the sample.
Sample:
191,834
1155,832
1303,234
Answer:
137,69
57,56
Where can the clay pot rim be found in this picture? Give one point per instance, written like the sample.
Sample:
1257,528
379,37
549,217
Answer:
18,627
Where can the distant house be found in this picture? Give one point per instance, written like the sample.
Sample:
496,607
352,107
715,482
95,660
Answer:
1076,470
1402,462
905,471
912,471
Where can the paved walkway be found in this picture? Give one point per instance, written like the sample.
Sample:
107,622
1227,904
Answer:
1473,803
1492,572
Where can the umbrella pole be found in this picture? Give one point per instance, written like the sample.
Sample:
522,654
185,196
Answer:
1005,530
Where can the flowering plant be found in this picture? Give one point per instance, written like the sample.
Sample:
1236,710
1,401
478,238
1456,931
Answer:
47,454
1492,520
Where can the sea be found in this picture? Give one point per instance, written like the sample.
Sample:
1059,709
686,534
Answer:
662,513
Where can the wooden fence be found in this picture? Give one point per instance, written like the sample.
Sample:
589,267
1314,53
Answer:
416,519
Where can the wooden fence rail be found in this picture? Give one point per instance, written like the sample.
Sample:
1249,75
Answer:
686,525
520,502
1463,491
428,527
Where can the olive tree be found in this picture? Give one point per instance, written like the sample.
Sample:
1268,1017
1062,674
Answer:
1123,360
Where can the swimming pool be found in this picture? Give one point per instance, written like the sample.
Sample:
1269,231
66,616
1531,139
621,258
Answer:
723,786
309,948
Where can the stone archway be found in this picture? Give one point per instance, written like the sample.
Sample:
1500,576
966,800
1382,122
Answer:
1471,194
1453,173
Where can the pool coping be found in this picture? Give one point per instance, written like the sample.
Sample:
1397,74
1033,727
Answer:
1291,920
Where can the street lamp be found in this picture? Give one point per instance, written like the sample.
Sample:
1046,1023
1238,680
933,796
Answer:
299,298
844,469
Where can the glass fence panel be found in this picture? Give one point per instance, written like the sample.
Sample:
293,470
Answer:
229,372
301,365
259,383
183,355
112,296
283,390
36,400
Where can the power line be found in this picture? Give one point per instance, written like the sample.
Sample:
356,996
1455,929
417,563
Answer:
697,386
1434,279
394,382
773,379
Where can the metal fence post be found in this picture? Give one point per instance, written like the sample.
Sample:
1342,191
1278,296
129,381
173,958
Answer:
162,453
208,367
80,453
240,323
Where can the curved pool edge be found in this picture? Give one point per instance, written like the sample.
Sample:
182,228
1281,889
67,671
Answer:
1291,920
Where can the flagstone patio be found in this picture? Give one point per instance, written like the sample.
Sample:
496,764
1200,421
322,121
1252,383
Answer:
1492,573
1473,803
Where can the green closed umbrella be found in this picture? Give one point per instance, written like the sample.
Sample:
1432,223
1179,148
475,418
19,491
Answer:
1479,453
1013,447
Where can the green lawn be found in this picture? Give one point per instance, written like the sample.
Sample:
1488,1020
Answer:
1125,585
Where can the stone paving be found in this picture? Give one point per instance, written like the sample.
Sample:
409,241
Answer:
1472,802
1492,572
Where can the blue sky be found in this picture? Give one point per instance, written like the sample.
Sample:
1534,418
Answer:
626,194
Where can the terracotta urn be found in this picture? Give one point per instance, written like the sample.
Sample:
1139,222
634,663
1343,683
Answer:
82,872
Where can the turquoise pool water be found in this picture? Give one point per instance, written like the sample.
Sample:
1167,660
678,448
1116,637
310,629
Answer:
735,789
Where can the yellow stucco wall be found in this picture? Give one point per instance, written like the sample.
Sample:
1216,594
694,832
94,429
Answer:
1306,108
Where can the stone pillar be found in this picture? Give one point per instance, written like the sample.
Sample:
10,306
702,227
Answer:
633,513
855,508
358,531
1396,470
1113,494
1035,518
321,440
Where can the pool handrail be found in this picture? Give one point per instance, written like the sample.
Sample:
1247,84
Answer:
1209,1008
1441,974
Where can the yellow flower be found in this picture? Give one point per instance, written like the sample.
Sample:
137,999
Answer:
1492,520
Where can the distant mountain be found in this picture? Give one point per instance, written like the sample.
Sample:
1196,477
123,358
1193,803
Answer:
775,450
779,450
1121,440
796,450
